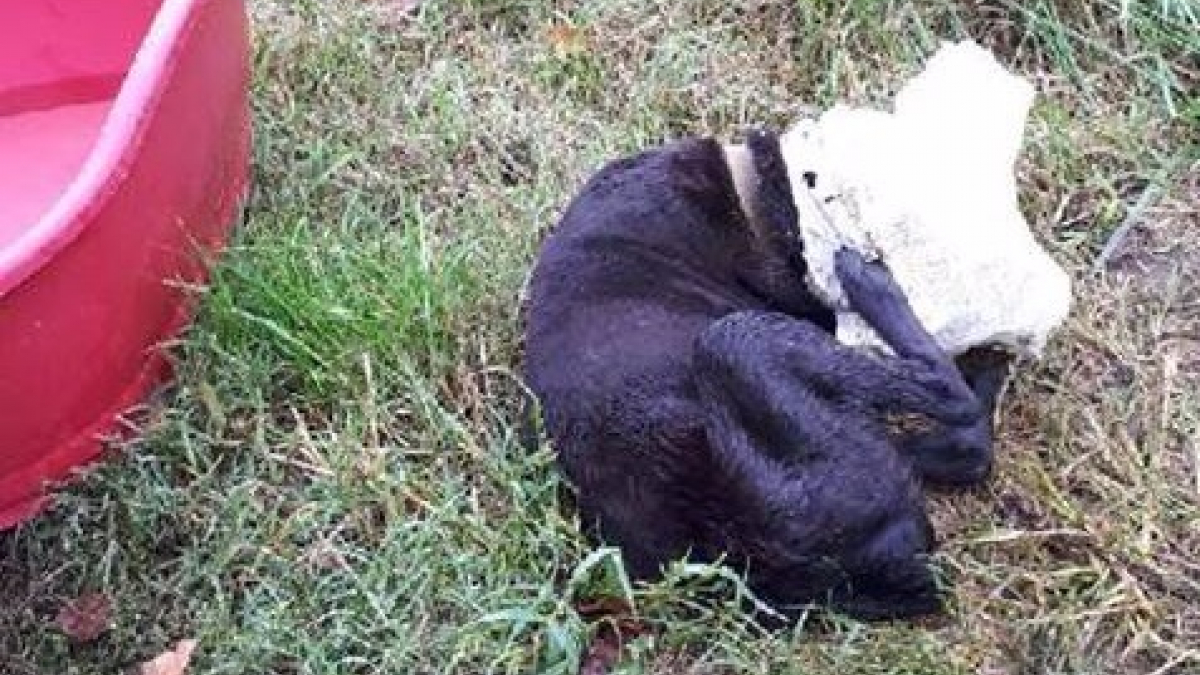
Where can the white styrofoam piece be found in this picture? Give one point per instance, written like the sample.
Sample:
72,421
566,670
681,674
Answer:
929,188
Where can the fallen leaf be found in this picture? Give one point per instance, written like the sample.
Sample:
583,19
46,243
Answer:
86,618
173,662
322,555
396,11
566,39
595,608
602,654
211,401
617,613
616,623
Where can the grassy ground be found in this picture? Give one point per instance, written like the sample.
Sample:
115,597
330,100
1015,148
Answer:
335,483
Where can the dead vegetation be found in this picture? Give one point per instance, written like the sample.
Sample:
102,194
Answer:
336,484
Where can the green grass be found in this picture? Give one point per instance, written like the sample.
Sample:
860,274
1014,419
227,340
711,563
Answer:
335,484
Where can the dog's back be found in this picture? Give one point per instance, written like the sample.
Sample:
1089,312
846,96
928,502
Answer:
652,249
652,234
635,269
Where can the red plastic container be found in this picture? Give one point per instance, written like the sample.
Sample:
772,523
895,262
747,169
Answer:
124,155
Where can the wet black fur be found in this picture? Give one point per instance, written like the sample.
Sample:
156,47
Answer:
700,407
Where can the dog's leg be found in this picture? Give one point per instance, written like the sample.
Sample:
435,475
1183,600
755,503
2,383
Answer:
987,370
886,384
960,456
815,500
874,294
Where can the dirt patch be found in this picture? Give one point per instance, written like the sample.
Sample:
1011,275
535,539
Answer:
1160,262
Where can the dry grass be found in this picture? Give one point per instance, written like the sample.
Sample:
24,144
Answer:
336,486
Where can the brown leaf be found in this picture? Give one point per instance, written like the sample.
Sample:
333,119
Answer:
602,653
596,608
86,618
173,662
566,39
617,613
617,623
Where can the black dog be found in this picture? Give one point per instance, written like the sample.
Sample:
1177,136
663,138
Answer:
700,406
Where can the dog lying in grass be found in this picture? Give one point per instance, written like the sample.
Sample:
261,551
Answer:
701,408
